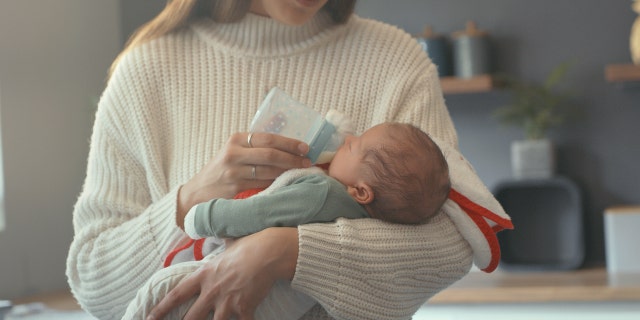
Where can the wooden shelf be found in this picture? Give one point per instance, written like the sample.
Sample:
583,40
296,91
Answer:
477,84
622,73
593,285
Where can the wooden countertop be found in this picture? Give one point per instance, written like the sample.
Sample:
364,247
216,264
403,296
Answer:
523,287
61,300
497,287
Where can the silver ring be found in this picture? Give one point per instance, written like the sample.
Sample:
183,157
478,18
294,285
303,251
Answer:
253,173
249,140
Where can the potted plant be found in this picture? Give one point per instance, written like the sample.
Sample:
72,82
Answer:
536,108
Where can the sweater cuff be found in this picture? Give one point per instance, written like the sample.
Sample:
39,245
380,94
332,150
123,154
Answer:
190,223
321,259
166,235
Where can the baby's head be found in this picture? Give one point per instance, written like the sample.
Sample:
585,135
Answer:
395,171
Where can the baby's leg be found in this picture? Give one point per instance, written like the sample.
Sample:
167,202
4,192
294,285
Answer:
282,302
154,290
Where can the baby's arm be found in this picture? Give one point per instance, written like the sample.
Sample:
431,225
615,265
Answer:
308,199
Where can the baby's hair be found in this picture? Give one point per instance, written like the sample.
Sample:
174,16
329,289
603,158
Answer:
408,174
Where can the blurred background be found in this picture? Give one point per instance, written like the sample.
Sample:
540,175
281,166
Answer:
54,57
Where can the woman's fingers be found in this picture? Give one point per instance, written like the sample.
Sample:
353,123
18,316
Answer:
266,156
272,141
184,291
200,309
274,158
223,313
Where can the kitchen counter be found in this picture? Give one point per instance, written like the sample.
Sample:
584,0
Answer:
583,285
60,300
586,285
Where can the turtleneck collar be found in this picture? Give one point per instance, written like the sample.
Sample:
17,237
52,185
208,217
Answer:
257,35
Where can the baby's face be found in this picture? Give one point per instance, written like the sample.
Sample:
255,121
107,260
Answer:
345,166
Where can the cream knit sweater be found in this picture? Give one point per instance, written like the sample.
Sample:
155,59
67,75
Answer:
171,105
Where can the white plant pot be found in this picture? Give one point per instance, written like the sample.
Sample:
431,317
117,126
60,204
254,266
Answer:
532,159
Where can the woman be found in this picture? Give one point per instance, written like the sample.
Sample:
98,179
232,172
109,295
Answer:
170,133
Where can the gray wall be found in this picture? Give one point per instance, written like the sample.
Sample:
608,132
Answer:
600,153
53,61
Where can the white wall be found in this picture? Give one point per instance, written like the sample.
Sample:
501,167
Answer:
53,61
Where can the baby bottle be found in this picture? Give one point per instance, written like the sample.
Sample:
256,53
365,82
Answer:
281,114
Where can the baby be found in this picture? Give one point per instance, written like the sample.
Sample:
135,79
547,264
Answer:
392,172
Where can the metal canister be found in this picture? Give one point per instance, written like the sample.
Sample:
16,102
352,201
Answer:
471,52
439,50
634,40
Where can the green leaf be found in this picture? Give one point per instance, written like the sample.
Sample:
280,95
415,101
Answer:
536,108
557,74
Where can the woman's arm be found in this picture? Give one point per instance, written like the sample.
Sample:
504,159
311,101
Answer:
369,269
423,105
117,217
379,270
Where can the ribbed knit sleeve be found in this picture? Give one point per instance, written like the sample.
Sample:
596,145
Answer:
369,269
423,104
124,218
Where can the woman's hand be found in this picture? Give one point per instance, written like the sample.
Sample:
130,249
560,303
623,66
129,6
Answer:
236,281
247,161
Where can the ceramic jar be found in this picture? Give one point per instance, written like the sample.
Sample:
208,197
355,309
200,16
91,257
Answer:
471,52
439,50
634,41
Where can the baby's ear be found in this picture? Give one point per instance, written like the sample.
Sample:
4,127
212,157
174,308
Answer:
361,192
